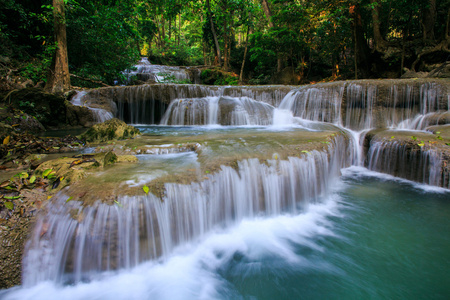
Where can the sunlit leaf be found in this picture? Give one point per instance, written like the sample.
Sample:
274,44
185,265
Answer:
146,189
9,205
6,140
46,172
32,179
68,199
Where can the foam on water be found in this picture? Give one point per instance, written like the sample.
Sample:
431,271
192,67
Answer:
359,171
191,271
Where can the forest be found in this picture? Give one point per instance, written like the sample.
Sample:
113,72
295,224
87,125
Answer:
254,41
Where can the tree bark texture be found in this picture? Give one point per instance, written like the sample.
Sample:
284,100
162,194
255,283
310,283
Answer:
241,74
429,20
58,79
362,51
267,12
380,43
216,42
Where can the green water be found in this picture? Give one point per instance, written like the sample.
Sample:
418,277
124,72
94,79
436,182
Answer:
388,240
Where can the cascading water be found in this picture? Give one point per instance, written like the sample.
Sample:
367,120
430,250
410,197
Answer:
100,114
406,161
218,110
104,237
145,71
262,228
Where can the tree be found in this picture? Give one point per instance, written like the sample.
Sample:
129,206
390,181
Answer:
58,79
213,30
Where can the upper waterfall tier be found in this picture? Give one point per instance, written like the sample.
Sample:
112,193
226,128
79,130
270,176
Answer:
145,71
218,110
357,105
364,104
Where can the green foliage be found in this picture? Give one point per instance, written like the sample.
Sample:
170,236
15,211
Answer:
218,77
101,39
37,68
174,54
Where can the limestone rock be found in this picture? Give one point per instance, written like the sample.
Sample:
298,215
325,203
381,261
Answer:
79,115
113,129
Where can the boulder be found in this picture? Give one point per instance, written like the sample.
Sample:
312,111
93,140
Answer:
113,129
79,115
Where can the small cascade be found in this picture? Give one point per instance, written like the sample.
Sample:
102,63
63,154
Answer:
100,114
360,101
218,110
196,111
272,95
145,71
365,104
321,103
73,243
407,161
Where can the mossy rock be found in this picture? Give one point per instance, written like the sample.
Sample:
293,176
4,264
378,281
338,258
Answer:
49,109
218,77
113,129
72,169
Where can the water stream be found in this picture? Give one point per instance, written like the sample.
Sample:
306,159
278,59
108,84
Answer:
315,225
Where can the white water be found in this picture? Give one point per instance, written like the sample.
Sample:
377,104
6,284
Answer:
190,271
104,237
259,210
163,74
231,111
100,115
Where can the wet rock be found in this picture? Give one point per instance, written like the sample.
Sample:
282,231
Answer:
67,170
113,129
413,155
79,115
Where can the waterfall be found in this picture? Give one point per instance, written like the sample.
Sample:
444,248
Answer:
72,243
145,71
321,104
218,110
408,161
365,104
100,114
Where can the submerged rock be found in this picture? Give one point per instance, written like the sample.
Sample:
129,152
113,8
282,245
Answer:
113,129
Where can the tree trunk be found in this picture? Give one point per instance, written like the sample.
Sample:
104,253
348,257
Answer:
241,75
179,29
226,45
216,42
267,12
380,43
362,51
58,79
429,20
163,32
170,29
